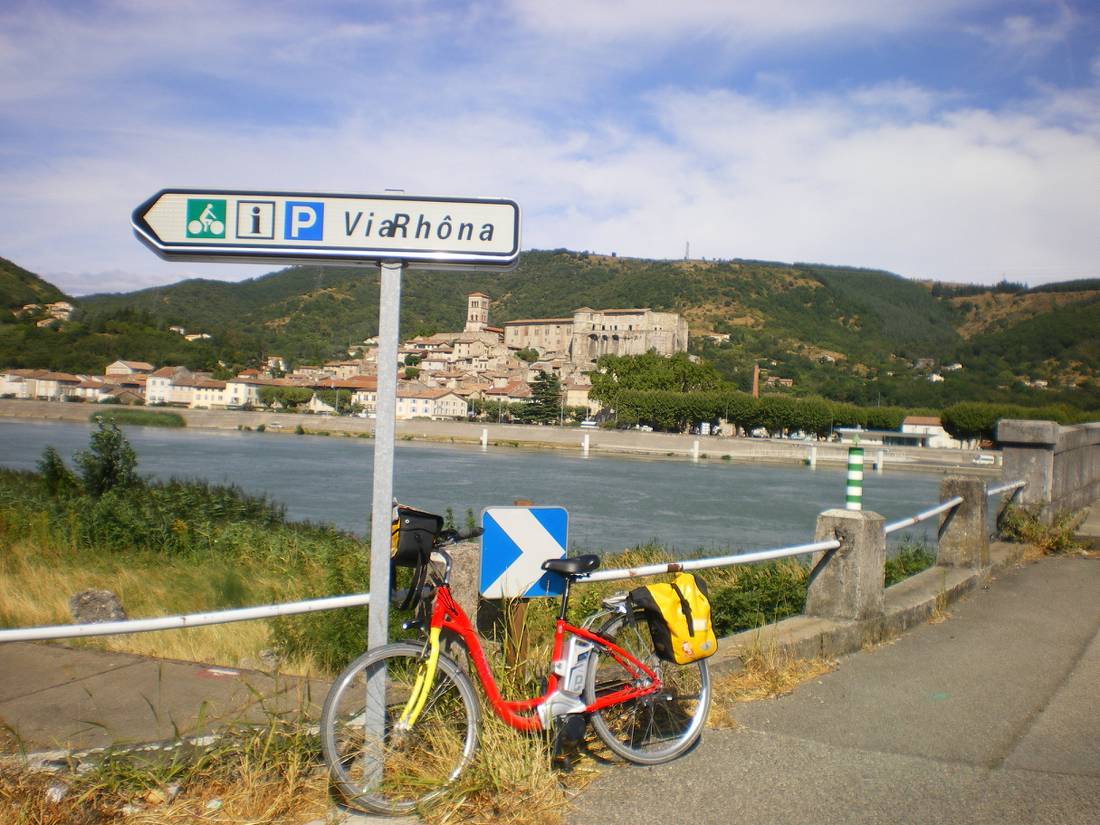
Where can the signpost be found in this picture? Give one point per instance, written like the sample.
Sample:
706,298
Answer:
392,231
297,227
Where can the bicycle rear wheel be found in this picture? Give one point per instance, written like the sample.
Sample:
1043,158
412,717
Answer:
405,768
657,727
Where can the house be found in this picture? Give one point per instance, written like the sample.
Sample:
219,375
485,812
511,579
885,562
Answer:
417,401
513,392
343,369
159,385
51,386
931,428
94,390
274,363
206,393
128,368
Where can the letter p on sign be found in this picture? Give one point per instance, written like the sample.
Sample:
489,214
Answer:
305,221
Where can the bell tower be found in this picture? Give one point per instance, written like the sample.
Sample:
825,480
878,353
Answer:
477,312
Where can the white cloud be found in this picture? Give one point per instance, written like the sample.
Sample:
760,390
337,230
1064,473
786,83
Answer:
892,173
1028,35
746,21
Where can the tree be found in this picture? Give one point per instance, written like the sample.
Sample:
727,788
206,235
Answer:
58,478
678,373
545,406
109,462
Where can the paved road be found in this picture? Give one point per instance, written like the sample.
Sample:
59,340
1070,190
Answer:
990,717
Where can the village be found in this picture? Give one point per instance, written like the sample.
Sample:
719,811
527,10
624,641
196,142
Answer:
440,377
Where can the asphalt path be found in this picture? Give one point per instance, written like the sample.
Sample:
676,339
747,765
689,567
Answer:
992,716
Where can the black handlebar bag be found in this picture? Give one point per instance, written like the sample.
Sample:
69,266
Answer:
412,536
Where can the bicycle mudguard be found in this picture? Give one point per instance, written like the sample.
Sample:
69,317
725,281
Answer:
425,676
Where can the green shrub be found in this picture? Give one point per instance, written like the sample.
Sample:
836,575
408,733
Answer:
911,558
109,461
147,418
58,478
1023,525
764,593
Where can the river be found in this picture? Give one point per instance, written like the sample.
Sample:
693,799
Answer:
613,502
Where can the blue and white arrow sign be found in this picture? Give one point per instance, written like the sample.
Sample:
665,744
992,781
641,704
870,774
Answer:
516,541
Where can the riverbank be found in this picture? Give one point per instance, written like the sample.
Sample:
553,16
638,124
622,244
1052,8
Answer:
607,442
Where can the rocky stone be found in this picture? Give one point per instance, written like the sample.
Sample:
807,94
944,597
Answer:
94,606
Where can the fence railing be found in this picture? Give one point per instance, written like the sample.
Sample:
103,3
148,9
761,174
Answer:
359,599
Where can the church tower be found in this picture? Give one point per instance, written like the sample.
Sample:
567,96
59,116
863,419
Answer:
477,312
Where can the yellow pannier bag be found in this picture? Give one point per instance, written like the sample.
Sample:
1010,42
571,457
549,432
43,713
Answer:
678,614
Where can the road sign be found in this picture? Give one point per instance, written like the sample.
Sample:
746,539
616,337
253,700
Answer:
295,227
516,541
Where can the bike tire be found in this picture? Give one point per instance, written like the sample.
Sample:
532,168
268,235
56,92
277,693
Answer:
416,765
655,728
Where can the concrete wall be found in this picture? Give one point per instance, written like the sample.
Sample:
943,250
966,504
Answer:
1061,465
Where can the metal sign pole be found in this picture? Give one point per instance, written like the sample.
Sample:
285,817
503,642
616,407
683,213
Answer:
385,413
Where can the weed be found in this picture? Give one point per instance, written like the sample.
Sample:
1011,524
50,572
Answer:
911,558
1024,525
271,773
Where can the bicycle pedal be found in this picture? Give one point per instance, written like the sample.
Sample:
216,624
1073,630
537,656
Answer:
415,624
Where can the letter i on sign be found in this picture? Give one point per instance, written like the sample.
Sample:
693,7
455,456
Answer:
256,219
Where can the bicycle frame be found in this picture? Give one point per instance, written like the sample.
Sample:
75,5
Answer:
522,715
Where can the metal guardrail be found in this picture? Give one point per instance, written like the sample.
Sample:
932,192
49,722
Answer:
1004,488
703,564
950,504
29,634
243,614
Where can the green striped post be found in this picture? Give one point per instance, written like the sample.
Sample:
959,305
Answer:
854,500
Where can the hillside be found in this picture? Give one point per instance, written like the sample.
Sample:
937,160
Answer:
850,334
315,311
19,287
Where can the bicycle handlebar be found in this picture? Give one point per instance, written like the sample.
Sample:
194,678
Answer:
456,536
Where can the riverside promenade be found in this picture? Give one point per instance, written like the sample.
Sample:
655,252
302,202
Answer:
991,716
529,436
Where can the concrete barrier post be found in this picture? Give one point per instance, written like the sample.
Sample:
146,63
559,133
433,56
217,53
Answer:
847,583
1029,456
963,540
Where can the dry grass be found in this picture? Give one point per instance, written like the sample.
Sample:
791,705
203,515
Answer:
37,580
767,672
271,774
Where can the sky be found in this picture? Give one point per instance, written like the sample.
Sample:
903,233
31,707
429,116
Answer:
956,140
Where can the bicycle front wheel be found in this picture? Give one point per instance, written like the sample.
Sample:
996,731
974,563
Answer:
657,727
386,768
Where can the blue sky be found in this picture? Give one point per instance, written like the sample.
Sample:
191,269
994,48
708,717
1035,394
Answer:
949,139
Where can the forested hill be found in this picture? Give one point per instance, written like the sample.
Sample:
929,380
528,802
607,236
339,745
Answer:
315,311
19,287
849,334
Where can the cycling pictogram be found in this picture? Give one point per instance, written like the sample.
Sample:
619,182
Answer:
205,218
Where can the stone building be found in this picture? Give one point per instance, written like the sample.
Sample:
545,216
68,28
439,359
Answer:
591,333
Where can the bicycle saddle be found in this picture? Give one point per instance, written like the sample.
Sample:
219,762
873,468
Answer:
574,566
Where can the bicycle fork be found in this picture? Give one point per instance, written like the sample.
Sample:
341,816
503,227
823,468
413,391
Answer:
425,676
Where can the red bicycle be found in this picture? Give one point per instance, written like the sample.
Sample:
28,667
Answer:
401,722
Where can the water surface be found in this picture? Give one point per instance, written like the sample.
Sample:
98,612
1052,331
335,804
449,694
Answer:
613,502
